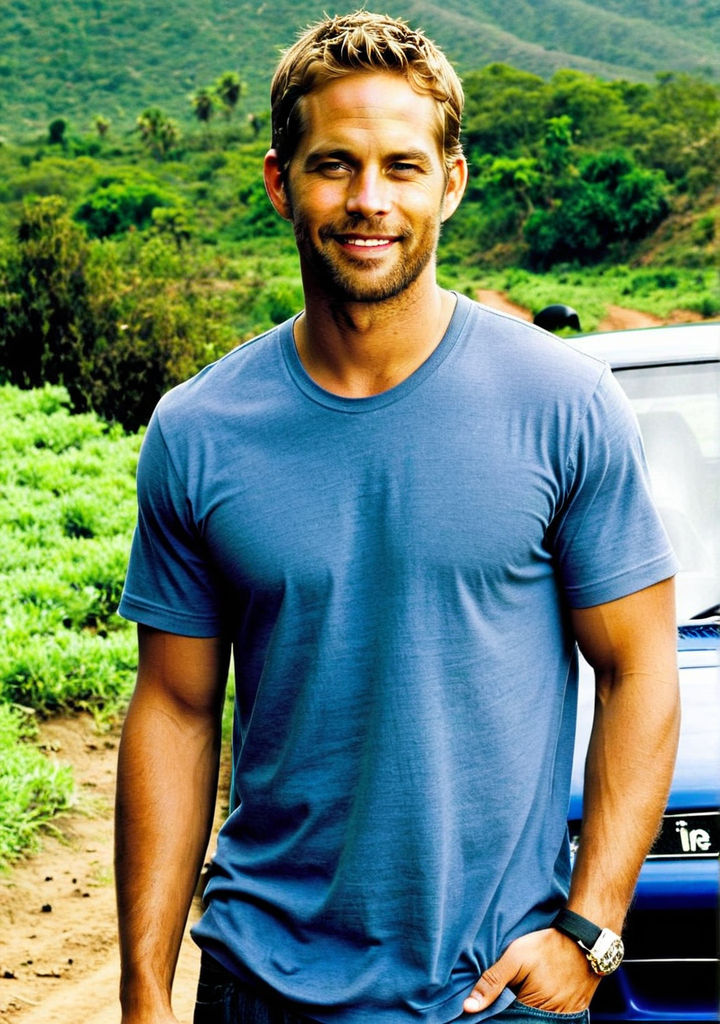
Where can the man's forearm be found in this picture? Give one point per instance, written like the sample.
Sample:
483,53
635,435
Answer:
627,778
167,779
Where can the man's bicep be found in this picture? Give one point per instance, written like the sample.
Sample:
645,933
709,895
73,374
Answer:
635,633
186,671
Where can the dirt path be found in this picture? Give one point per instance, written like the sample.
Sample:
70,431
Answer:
58,947
618,318
499,301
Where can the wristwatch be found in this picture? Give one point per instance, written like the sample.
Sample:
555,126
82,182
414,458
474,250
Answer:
603,948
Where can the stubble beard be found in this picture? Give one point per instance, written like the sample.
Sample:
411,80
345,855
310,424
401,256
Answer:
356,280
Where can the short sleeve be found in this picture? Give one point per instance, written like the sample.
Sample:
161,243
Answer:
170,584
609,540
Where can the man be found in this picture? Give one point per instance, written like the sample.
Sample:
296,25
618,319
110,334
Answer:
402,510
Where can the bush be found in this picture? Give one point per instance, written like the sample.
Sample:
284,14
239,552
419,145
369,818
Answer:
117,207
68,484
614,201
116,324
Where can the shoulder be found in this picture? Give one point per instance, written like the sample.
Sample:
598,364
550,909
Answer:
521,355
222,385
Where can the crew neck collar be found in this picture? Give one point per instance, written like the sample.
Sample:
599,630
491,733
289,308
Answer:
319,395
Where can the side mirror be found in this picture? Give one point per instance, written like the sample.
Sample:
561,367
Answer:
556,317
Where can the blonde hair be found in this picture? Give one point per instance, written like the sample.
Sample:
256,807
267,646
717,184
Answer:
362,41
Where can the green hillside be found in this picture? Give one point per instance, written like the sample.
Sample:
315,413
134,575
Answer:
82,58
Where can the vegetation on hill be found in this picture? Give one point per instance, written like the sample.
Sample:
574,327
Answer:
85,58
125,267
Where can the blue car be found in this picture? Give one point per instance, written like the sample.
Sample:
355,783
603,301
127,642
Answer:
671,970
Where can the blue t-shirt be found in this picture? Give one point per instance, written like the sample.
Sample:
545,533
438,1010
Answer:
395,574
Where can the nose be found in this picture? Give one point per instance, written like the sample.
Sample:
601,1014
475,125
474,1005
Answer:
368,194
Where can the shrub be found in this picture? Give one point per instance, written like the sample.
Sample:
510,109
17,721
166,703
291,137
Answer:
65,526
117,326
613,201
117,207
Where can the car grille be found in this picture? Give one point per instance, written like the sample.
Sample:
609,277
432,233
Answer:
694,934
671,968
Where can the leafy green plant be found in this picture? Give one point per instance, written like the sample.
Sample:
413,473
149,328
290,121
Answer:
66,518
32,788
117,325
118,206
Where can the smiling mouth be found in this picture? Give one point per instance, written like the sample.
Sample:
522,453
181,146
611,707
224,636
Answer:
365,243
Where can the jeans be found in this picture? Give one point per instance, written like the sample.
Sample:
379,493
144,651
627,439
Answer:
224,999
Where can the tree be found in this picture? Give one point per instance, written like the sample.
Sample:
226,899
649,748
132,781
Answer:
557,146
102,125
595,108
116,206
172,221
159,132
612,202
56,131
505,111
203,103
45,301
117,323
229,88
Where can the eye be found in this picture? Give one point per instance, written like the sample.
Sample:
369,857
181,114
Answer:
404,168
332,168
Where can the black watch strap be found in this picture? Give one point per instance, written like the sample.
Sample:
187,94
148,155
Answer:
578,928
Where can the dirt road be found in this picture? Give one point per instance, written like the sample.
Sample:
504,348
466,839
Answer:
58,946
618,318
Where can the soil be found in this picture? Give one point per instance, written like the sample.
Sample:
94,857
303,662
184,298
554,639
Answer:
58,952
618,317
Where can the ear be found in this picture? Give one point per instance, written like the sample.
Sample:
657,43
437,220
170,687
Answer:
455,187
275,184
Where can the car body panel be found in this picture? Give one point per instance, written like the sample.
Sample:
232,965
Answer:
671,970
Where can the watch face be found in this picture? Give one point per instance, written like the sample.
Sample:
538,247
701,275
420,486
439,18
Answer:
607,953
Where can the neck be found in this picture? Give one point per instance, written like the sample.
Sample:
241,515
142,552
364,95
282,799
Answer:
360,349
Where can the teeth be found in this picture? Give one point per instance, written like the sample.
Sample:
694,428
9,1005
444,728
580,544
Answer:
368,242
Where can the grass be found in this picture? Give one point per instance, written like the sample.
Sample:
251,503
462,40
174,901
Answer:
33,789
67,485
67,510
66,515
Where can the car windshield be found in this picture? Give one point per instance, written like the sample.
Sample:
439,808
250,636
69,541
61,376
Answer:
678,410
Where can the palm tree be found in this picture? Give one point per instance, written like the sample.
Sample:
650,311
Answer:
203,103
159,133
229,88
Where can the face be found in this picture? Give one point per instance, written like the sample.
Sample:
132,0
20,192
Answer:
366,189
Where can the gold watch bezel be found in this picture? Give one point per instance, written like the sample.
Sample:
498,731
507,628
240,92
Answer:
607,952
